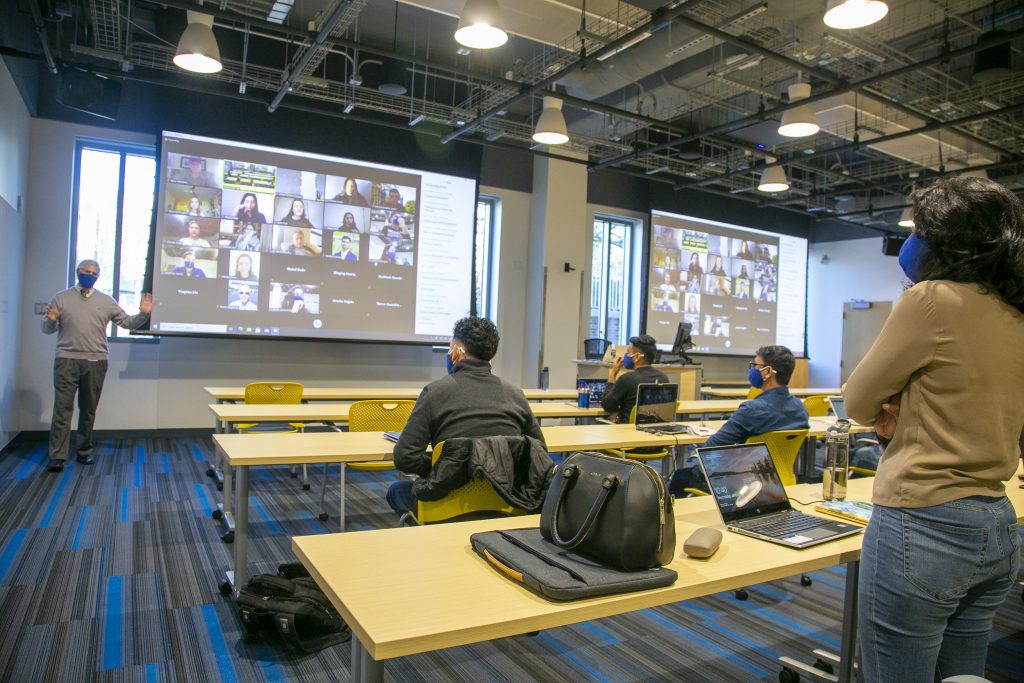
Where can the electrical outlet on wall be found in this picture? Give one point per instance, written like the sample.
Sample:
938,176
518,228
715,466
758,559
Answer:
40,308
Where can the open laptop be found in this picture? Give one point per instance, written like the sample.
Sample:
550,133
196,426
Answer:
594,387
752,500
656,409
838,407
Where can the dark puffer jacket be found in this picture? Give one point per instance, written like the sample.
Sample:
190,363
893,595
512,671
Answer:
518,467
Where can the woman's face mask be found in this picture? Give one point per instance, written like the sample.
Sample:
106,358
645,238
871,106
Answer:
911,258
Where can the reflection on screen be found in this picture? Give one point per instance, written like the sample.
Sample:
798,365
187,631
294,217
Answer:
741,288
254,240
743,477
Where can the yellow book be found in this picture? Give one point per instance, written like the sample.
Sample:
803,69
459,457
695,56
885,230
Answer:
850,510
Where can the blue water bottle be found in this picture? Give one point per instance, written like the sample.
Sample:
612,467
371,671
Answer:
583,398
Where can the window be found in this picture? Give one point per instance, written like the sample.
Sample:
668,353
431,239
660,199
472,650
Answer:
113,209
609,284
485,258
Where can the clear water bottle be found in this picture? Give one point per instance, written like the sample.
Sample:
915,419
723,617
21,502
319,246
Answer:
544,378
837,461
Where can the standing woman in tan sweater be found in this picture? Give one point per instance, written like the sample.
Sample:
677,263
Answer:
945,382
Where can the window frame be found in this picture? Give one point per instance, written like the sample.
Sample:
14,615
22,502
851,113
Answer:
123,149
631,227
486,286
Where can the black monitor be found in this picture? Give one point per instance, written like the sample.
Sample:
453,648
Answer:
683,342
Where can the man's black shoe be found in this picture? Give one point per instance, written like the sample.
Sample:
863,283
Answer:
55,465
85,460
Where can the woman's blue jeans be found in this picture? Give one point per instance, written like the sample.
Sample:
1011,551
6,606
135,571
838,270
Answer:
931,580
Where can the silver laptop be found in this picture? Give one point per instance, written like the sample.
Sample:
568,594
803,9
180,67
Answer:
656,409
838,406
753,502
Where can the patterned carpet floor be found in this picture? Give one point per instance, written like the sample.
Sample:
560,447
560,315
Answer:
109,572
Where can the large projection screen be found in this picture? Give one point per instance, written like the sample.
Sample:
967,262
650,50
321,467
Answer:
741,288
256,241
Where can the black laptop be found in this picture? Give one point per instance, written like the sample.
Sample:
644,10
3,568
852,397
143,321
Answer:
594,387
750,495
838,407
656,409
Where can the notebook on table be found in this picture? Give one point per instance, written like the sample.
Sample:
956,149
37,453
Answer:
752,500
392,436
656,409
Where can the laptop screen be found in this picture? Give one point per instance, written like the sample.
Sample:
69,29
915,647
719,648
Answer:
743,480
594,387
839,407
656,403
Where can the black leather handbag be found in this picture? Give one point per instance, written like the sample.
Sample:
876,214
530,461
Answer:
612,510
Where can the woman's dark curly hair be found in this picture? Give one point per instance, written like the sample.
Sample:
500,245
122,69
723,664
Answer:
975,233
478,335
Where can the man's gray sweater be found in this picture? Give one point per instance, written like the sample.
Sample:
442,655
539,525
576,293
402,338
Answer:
82,325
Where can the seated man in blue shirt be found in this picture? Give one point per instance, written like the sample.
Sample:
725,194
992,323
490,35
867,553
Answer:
773,410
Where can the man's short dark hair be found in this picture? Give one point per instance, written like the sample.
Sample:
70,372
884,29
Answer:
478,335
781,360
646,345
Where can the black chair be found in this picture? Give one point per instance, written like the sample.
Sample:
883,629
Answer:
593,349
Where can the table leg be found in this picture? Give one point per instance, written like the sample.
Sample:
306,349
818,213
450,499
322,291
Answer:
341,495
242,528
365,669
228,481
848,643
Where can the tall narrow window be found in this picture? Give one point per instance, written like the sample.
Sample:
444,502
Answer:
485,258
113,209
609,284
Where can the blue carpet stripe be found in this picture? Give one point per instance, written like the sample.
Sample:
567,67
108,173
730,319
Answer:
34,459
58,493
198,453
220,647
124,505
77,543
601,636
165,465
152,672
565,653
203,499
113,612
796,626
140,462
272,526
704,642
10,551
265,655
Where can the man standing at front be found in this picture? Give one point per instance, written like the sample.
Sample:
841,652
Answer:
80,316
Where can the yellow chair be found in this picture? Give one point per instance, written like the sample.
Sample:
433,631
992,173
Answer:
378,416
632,454
277,393
475,496
754,392
817,406
783,445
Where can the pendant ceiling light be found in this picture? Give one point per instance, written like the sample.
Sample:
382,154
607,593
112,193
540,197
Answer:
847,14
773,179
197,49
480,25
907,218
551,128
801,121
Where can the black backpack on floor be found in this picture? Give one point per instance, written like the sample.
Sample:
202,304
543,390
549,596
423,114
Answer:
290,605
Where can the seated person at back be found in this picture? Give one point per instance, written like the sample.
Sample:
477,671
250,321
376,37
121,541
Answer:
772,410
620,396
469,402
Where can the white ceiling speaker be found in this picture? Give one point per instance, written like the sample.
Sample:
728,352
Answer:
773,179
801,121
551,129
480,25
906,218
848,14
197,49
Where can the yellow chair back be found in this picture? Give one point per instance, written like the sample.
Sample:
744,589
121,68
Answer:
475,496
754,392
783,445
817,406
631,453
378,416
279,393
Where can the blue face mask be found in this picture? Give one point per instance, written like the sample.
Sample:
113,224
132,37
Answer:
912,255
448,362
755,378
627,362
86,281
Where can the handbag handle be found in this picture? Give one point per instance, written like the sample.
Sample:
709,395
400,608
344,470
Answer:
570,473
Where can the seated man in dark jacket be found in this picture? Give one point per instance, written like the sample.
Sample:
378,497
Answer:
620,396
772,410
469,402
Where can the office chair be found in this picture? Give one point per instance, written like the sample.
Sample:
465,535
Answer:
368,416
817,406
278,393
639,454
754,392
476,496
594,348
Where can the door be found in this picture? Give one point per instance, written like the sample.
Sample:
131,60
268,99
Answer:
862,321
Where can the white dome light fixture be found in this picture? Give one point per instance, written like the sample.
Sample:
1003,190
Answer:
551,129
849,14
906,218
801,121
197,49
480,25
773,179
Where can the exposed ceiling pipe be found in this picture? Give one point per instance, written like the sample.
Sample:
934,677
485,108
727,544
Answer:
37,19
307,56
817,97
856,144
660,18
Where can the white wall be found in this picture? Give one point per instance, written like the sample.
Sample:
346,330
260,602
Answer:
14,154
856,269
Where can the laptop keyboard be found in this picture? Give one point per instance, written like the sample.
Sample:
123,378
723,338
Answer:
781,524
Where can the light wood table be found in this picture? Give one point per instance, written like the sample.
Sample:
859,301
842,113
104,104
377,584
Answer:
225,394
398,607
731,392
